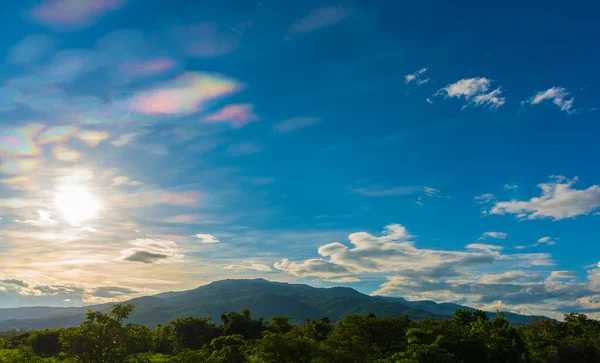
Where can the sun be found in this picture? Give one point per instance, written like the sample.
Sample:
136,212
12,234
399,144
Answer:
75,204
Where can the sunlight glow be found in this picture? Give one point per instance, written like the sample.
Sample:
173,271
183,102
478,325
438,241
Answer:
75,204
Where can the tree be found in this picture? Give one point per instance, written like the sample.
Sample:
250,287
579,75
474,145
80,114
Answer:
242,324
45,343
103,338
191,332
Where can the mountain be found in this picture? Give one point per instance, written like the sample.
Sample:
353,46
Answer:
263,298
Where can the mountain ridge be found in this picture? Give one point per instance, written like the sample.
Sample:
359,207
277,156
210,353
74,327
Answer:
263,298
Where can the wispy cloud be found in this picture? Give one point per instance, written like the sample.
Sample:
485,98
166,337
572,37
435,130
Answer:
237,115
417,77
207,238
319,18
73,14
207,39
183,95
294,124
498,235
250,267
558,201
475,91
558,96
30,49
379,191
544,240
244,148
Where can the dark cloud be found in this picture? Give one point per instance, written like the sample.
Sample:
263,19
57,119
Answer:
144,256
15,282
113,291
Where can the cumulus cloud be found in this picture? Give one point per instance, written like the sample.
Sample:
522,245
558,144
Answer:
417,77
558,201
475,91
393,251
207,238
151,250
16,282
319,18
564,274
294,124
557,95
250,267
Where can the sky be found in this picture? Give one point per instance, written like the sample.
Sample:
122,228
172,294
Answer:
415,149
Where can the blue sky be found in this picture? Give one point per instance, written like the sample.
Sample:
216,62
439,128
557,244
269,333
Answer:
419,150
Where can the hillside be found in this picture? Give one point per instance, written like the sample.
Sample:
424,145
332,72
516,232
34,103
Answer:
262,297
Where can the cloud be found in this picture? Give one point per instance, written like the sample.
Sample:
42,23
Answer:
112,291
183,95
294,124
511,186
498,235
140,68
319,18
92,138
244,148
557,95
484,247
19,141
73,14
30,49
44,220
125,139
392,252
416,77
564,274
151,250
484,198
558,201
378,191
16,282
544,240
432,192
345,280
207,238
475,92
251,267
237,114
206,40
123,180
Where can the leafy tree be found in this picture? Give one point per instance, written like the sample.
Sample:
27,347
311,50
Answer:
242,324
228,349
191,332
290,347
317,329
45,342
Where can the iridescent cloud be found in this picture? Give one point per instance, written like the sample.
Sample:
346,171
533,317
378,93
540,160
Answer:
64,153
146,68
238,115
17,166
92,138
73,13
183,95
19,141
57,134
30,49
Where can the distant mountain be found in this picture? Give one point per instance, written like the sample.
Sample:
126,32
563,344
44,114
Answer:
262,297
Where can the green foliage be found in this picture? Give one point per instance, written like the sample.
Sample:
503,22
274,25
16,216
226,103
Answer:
468,337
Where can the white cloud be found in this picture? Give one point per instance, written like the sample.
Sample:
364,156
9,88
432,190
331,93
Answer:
564,274
44,220
319,18
207,238
558,96
254,266
510,186
475,92
416,77
484,247
498,235
295,123
344,280
484,198
544,240
432,192
558,201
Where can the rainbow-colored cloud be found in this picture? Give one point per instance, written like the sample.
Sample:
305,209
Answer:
238,115
183,95
73,13
19,141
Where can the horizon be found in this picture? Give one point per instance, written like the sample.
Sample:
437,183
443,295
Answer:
424,150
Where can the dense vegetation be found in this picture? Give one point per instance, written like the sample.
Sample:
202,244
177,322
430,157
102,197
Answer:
468,337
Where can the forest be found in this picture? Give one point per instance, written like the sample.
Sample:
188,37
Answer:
469,336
